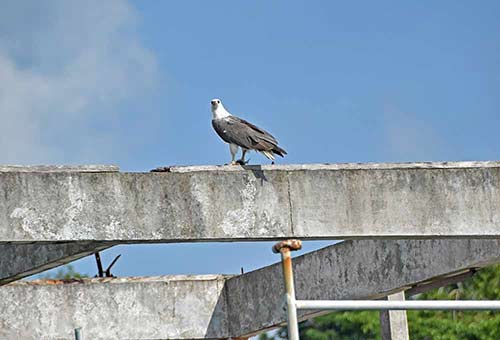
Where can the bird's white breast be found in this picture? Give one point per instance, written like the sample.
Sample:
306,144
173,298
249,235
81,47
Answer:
220,112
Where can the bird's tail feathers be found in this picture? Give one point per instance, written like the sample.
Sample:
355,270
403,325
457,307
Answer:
268,154
279,151
276,150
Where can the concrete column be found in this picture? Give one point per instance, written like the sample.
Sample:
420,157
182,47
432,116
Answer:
394,324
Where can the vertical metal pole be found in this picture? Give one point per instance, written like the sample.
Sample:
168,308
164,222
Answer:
78,334
285,248
293,326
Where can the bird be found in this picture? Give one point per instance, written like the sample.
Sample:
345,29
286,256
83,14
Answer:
239,133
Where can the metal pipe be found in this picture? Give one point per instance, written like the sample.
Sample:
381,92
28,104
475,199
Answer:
285,248
293,326
78,334
398,305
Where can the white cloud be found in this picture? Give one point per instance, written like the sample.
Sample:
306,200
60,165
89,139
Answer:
63,66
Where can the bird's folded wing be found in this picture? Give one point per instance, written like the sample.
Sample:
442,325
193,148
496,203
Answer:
238,131
265,135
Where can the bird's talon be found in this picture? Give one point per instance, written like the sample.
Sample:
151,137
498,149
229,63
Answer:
241,162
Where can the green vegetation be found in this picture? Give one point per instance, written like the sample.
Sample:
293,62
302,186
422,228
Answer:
65,273
423,325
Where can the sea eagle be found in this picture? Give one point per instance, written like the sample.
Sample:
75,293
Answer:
239,133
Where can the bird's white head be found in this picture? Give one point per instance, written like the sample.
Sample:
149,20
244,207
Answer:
218,110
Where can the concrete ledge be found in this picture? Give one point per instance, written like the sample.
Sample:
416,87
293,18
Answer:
337,166
21,260
233,203
59,168
217,306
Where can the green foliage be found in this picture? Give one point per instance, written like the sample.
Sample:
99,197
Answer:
448,325
423,325
65,273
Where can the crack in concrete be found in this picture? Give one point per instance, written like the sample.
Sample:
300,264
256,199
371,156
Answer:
290,205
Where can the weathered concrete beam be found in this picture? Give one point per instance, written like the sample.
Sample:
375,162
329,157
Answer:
216,307
230,203
170,307
351,270
21,260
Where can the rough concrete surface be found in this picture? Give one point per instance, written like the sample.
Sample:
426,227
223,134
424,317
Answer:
195,307
233,203
170,307
21,260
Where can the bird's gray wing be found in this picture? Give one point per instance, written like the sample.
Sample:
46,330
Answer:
238,131
232,132
263,133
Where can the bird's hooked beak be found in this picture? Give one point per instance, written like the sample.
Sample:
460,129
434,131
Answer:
216,103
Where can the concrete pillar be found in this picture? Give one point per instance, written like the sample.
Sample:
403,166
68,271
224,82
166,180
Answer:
394,324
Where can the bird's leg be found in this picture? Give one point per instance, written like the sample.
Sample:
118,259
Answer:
241,161
234,149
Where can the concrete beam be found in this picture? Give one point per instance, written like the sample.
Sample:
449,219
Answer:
21,260
351,270
216,307
230,203
169,307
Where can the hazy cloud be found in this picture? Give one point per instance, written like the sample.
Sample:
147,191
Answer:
67,68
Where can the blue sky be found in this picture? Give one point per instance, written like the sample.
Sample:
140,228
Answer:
129,83
370,81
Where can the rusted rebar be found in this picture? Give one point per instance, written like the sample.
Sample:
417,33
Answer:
100,272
